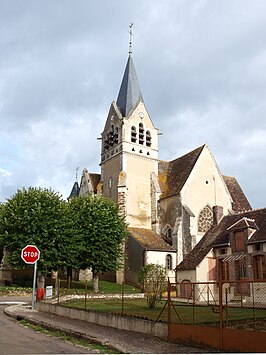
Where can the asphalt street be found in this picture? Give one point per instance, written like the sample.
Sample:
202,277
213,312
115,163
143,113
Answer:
18,339
125,341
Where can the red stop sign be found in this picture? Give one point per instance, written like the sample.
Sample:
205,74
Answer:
30,254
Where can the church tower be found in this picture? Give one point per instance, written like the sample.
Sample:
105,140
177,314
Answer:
129,153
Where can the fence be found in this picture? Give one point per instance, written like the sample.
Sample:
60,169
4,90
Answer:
228,304
224,315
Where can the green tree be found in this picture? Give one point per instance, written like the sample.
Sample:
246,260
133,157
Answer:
99,233
152,278
33,216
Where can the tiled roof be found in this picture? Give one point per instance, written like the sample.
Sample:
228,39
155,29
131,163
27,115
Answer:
243,223
174,174
240,202
150,240
219,235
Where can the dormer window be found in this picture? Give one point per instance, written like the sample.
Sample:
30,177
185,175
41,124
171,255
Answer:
148,138
133,134
141,134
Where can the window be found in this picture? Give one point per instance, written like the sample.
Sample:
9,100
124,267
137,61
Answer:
148,138
257,247
169,265
224,270
240,244
141,134
205,219
133,134
259,267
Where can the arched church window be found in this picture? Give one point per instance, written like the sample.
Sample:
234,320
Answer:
169,262
141,133
148,138
133,134
205,219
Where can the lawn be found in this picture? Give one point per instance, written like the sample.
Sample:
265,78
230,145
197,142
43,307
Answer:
180,313
78,287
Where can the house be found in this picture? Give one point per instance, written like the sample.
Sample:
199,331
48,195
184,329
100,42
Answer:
169,205
234,250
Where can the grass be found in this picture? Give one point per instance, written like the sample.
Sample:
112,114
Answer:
66,337
78,287
104,287
185,314
14,290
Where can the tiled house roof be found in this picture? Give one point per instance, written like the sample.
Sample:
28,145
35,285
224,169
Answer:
149,240
240,202
243,223
219,236
174,174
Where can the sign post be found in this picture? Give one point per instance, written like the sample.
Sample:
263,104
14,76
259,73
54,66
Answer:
30,255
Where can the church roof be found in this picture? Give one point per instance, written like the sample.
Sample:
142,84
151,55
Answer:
129,94
219,236
75,190
149,240
174,174
240,202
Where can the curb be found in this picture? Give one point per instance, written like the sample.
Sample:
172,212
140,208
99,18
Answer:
74,334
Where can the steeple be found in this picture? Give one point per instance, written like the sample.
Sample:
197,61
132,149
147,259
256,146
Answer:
129,94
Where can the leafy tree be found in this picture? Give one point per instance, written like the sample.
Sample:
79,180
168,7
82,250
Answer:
152,278
33,216
99,233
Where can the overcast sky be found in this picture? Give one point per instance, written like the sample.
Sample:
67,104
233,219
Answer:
201,66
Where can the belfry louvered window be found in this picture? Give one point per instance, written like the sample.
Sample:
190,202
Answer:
141,134
148,138
116,135
133,134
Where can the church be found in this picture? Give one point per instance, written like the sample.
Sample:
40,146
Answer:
169,205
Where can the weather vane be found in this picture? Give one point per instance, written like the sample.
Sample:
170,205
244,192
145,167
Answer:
77,169
130,38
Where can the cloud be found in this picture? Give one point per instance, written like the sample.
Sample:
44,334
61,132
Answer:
201,68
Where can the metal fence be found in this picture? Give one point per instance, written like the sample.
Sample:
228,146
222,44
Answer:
239,304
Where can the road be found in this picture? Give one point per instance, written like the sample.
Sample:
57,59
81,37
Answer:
17,339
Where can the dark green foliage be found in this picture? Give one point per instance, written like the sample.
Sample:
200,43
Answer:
86,232
32,216
98,232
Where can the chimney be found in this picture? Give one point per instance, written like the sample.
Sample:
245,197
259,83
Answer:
217,214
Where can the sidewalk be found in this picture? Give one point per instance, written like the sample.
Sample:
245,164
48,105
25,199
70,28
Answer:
124,341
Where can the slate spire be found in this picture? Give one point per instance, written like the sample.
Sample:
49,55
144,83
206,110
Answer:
129,94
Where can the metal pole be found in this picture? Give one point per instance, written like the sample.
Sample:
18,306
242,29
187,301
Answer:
34,283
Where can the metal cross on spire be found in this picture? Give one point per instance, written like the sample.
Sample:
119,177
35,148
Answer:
130,38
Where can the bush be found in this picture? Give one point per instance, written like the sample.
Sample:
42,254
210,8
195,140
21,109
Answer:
152,278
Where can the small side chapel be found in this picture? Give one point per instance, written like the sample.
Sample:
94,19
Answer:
169,205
